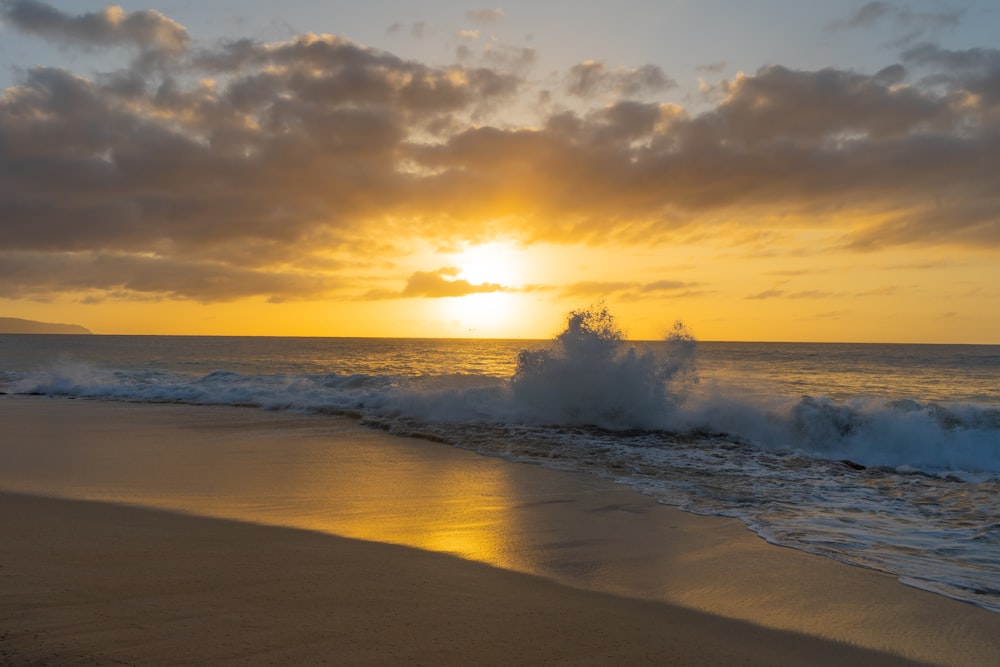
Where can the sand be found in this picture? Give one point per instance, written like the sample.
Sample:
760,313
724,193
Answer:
564,559
87,583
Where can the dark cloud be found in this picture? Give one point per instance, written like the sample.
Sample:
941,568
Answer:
812,143
911,25
242,165
971,60
712,68
145,29
891,75
276,155
869,14
123,276
969,73
827,105
592,78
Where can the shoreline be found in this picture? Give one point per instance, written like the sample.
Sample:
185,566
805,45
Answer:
319,473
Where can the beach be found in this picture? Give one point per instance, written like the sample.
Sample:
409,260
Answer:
91,584
175,534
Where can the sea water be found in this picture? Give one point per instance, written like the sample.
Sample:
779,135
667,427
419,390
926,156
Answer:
882,456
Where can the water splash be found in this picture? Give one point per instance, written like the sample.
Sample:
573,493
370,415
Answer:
592,377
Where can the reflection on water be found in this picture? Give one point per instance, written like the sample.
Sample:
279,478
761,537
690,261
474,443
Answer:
308,472
386,494
330,474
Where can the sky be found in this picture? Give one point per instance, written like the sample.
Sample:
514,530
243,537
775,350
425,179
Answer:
762,171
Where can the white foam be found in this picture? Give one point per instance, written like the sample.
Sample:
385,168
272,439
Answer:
592,377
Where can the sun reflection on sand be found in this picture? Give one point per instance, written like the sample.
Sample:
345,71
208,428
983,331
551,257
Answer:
453,509
313,473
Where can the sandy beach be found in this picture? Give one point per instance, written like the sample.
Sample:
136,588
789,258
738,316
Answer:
489,562
87,583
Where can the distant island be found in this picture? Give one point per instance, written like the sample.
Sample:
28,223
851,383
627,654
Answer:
14,325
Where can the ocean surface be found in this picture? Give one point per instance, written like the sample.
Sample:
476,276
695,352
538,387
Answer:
881,456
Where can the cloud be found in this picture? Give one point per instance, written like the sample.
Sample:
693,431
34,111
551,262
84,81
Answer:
417,29
666,286
146,29
506,58
808,142
804,294
712,68
911,24
972,75
628,290
593,78
972,60
767,294
439,284
829,104
132,276
485,15
868,14
253,165
282,154
874,12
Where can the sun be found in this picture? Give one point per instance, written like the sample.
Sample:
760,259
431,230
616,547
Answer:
496,263
489,314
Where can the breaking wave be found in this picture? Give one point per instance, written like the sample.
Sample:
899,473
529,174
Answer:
592,377
589,375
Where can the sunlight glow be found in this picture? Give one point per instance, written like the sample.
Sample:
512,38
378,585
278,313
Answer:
489,315
496,263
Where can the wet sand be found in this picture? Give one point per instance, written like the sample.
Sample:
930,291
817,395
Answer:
571,570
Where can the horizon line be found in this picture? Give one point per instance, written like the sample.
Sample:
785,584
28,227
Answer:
503,339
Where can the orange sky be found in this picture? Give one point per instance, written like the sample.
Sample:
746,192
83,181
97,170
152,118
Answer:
315,185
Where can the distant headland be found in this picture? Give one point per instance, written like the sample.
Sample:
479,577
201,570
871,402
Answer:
9,325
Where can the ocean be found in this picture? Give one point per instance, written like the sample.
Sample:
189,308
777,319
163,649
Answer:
876,455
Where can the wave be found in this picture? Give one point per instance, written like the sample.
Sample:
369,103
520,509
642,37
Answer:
592,377
873,432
